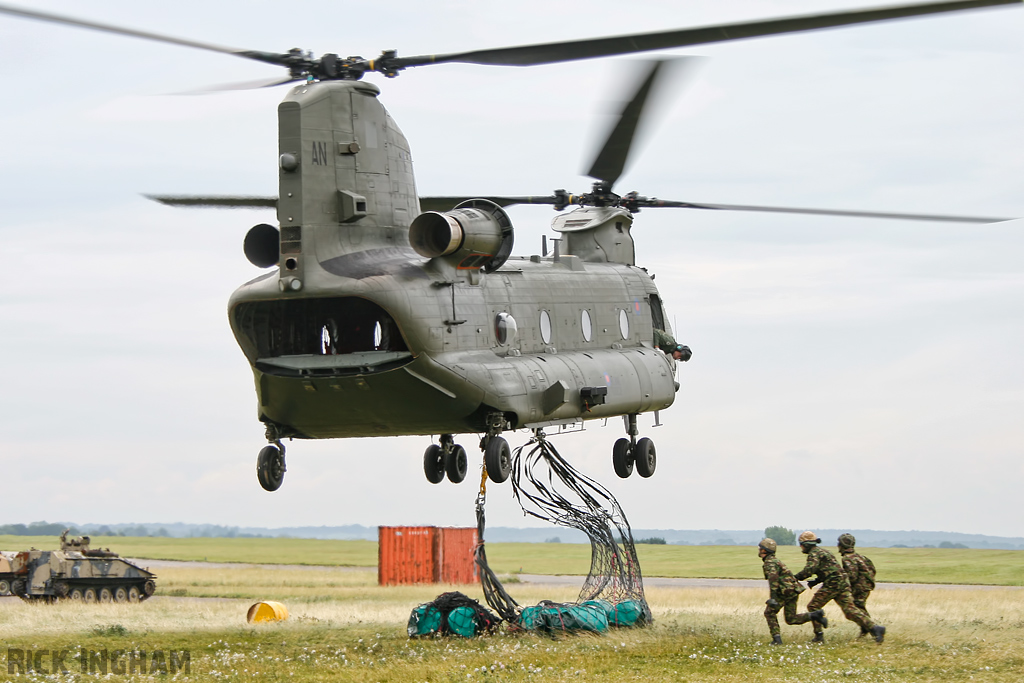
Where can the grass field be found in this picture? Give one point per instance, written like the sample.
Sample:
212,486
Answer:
345,628
900,565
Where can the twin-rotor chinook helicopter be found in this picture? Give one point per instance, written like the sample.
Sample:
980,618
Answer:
391,314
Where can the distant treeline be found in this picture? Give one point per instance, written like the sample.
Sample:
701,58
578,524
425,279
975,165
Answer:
783,535
143,530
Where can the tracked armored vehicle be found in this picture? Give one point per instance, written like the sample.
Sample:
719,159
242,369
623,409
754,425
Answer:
77,572
6,575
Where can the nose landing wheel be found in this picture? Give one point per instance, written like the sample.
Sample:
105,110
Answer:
270,466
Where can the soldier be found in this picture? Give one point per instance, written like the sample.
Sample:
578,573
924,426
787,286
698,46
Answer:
860,571
834,586
784,590
667,343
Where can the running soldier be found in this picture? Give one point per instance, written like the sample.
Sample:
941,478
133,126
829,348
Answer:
859,570
784,591
834,586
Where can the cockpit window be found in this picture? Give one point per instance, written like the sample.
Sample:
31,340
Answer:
321,327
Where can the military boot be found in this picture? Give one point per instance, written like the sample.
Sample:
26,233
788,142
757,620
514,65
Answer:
863,632
819,637
878,631
819,617
776,640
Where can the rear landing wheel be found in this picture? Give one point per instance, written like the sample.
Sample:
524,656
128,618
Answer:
456,464
646,457
497,459
270,467
433,463
622,458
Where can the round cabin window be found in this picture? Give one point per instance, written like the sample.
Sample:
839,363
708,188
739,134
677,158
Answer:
504,328
545,327
623,324
586,326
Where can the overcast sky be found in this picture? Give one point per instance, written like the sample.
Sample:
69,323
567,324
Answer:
846,373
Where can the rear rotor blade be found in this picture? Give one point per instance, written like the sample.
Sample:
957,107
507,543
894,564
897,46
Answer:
239,85
550,53
449,203
655,203
270,57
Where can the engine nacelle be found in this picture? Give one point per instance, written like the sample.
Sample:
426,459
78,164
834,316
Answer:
475,234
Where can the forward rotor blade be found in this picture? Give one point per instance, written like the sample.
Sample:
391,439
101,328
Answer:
215,201
612,157
550,53
656,203
270,57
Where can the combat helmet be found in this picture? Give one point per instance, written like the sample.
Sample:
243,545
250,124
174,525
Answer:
809,537
768,545
847,541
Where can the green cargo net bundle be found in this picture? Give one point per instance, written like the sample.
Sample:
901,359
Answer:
549,488
451,614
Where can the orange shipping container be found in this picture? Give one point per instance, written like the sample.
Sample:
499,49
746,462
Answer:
455,555
417,554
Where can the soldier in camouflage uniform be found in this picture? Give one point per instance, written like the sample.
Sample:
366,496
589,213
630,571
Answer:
859,570
784,591
834,586
667,343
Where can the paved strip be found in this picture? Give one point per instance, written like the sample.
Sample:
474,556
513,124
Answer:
663,581
191,564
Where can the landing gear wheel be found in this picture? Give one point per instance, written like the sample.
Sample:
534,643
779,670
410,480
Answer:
622,458
646,457
433,464
106,596
456,464
133,594
498,459
270,467
89,595
120,594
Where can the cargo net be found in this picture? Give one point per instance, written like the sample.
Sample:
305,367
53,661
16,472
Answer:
549,488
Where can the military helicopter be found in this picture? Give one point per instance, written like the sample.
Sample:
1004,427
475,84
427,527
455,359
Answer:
389,314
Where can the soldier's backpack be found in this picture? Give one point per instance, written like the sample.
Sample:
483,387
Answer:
869,573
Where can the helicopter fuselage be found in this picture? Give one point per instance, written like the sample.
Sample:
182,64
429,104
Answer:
357,334
418,351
